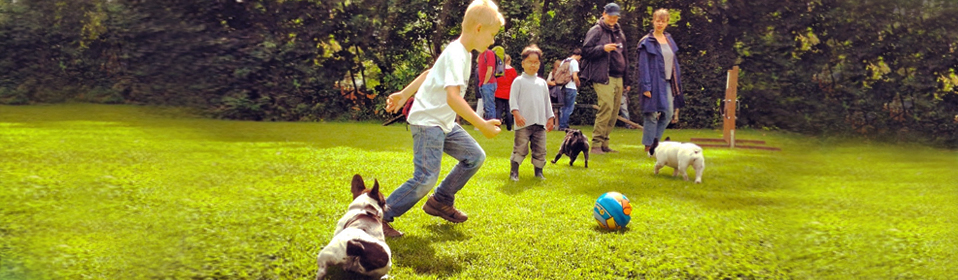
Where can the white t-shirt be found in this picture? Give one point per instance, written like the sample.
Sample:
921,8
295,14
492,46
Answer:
573,68
431,107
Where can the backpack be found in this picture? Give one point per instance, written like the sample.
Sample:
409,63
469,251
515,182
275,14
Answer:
408,106
405,112
500,68
563,75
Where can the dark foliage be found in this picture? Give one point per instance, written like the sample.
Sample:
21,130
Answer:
884,68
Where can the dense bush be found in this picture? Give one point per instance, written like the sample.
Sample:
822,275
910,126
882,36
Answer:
884,69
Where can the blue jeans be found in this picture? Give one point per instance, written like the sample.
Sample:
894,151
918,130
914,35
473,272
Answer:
654,123
567,108
488,94
429,142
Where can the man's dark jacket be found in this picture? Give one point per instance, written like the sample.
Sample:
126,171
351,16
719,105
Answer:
595,60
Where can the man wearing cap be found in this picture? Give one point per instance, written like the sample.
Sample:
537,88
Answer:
605,65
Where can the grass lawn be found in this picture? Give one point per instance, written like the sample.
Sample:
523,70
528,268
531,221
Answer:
125,192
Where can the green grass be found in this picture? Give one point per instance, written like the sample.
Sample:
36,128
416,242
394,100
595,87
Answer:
123,192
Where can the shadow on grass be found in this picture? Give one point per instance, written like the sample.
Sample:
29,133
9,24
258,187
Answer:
509,187
446,232
602,230
563,162
733,179
554,173
417,252
716,195
731,201
335,272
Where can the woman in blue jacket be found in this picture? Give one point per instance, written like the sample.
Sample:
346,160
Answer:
659,80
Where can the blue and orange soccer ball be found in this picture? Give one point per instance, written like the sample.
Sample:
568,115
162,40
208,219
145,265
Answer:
612,210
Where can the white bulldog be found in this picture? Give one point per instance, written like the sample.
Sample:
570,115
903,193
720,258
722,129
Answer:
678,156
358,244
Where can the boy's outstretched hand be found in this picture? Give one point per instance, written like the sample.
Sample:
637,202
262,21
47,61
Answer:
395,102
490,128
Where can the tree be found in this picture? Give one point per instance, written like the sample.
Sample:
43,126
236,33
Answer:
880,68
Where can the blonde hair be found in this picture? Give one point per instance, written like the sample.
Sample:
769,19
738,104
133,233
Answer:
660,13
482,12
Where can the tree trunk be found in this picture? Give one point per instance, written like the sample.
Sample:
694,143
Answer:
362,67
441,29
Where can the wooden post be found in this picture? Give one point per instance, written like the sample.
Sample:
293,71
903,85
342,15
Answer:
729,104
731,96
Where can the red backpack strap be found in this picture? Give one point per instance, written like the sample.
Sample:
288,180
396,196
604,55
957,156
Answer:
408,106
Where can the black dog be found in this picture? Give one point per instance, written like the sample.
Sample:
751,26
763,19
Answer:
574,143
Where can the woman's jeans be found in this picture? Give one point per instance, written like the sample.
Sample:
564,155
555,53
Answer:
429,143
655,122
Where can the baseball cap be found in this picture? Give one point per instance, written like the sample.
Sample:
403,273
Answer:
612,9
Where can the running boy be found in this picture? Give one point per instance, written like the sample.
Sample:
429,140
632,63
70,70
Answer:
438,99
532,110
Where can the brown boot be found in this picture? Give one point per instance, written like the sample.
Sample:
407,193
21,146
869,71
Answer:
609,150
448,212
596,151
389,231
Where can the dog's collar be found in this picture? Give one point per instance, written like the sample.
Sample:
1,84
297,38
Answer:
361,215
